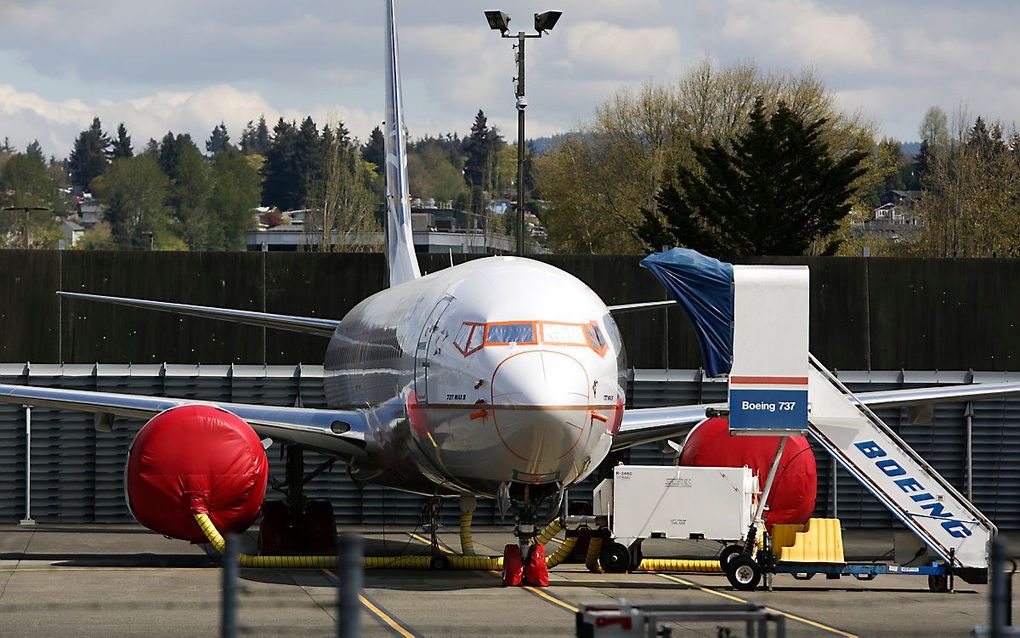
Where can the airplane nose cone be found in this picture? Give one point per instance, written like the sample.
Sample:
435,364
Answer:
541,410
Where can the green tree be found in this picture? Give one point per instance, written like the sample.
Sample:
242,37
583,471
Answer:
476,148
971,200
136,190
283,184
308,156
255,139
374,151
775,192
99,237
599,180
121,147
26,181
432,174
236,191
89,157
190,188
219,140
35,150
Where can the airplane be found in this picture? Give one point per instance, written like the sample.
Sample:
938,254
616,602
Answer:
500,378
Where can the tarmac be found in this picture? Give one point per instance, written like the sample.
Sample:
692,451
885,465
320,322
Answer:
122,580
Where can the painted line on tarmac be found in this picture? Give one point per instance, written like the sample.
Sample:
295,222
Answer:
443,547
556,600
396,626
102,569
806,621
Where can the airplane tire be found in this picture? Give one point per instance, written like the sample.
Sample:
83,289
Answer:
743,573
320,528
274,530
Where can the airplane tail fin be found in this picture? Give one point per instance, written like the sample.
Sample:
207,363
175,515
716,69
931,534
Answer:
400,257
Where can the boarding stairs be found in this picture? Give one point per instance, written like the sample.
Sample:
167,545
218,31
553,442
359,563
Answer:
897,476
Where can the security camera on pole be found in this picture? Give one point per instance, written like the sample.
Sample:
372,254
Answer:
500,21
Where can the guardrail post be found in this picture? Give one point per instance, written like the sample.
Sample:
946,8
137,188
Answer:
231,574
350,575
28,521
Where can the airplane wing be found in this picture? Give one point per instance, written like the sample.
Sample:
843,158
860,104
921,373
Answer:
648,425
306,325
334,432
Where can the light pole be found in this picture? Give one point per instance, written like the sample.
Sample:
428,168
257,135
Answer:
27,210
500,21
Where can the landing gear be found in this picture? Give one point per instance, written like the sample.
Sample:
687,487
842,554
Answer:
274,531
433,510
743,573
297,525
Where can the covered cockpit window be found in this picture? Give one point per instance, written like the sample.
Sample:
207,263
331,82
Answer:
470,337
504,333
595,338
565,334
473,336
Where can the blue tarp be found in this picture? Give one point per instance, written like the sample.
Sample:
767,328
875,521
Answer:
704,287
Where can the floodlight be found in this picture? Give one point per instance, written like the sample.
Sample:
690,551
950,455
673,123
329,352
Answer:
546,21
498,21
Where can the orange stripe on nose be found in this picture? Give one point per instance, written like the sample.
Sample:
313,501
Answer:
480,414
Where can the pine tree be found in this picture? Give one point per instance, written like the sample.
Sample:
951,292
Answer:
121,147
282,186
308,158
6,146
476,147
374,151
779,189
218,140
89,156
34,149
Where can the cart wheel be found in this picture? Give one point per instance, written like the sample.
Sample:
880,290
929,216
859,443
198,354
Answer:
615,558
939,583
439,562
729,552
743,573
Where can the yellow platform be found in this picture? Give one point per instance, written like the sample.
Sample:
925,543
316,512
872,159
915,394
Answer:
819,541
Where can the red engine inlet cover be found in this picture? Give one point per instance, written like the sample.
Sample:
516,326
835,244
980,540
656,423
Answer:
196,458
796,485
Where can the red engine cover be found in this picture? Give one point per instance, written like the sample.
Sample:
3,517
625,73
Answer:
793,493
196,458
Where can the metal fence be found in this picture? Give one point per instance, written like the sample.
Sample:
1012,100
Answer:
77,473
866,313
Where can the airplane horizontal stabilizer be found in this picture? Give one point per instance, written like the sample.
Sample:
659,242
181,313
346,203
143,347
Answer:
306,325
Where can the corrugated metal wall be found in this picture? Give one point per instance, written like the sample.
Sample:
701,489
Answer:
77,472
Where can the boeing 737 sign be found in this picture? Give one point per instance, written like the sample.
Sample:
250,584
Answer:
769,380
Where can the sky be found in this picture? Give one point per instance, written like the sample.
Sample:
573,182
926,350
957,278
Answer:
186,65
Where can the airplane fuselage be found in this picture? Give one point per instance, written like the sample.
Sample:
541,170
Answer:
497,371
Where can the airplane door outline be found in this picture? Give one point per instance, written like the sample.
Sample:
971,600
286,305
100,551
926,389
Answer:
421,351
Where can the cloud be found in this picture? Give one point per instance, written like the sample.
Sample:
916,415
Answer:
56,124
800,32
621,51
